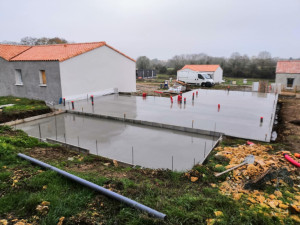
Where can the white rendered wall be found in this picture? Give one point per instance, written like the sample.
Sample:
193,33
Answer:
98,71
218,75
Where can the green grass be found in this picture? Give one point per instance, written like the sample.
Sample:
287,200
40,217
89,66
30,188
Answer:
170,192
21,104
239,81
160,78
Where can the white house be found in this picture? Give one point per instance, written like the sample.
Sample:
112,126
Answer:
215,71
71,71
288,74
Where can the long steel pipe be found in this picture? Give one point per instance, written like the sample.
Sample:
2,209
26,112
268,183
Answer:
96,187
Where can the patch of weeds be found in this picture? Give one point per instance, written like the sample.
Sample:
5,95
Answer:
174,176
92,177
128,183
89,158
228,141
219,169
220,160
5,175
5,129
15,109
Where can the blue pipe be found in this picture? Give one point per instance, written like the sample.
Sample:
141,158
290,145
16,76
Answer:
96,187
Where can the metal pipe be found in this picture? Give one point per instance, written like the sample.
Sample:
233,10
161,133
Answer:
96,187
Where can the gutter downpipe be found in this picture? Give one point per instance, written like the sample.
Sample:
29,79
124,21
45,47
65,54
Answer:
96,187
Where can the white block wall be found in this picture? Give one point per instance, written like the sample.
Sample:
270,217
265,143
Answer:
100,70
218,75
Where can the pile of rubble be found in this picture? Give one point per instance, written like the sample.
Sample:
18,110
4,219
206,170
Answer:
249,181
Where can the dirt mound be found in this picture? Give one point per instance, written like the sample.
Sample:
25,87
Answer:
295,122
21,115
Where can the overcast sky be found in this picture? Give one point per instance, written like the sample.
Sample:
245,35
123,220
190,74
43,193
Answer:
161,28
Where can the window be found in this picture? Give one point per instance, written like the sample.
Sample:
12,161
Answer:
43,81
200,76
18,75
290,82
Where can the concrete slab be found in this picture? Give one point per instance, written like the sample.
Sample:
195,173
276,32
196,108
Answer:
151,147
239,114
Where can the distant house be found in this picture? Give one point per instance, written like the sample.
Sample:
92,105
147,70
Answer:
141,74
288,73
215,71
71,71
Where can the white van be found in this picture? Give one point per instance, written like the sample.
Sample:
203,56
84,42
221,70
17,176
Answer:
197,78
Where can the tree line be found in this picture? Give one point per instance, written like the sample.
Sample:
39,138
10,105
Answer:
38,41
261,66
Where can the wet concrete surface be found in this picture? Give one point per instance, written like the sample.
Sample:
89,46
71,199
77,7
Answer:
239,114
151,147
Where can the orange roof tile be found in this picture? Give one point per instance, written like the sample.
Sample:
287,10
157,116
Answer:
202,68
9,51
58,52
291,66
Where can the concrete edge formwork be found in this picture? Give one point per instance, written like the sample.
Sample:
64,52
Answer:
214,146
84,151
151,124
273,117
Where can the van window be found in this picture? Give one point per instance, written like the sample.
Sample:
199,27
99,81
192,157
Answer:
207,76
200,76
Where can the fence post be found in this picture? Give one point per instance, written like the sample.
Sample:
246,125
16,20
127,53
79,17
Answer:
55,128
132,161
204,150
97,147
40,133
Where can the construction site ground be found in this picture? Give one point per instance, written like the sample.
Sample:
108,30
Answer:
150,88
265,192
289,122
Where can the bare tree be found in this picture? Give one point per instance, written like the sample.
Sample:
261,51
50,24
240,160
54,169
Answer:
143,63
28,41
42,41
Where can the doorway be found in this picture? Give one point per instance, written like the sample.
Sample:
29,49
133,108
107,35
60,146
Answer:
290,82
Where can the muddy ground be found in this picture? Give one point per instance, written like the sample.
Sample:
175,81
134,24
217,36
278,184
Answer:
150,87
289,123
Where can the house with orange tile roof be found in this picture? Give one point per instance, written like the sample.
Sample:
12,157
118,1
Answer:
71,71
288,74
215,71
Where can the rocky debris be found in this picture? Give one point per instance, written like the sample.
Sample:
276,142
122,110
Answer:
43,208
248,182
267,168
15,222
61,220
3,222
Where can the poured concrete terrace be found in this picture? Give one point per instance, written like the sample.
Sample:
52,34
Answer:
239,114
130,143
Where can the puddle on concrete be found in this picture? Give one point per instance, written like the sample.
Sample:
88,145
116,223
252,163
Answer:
239,114
152,147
